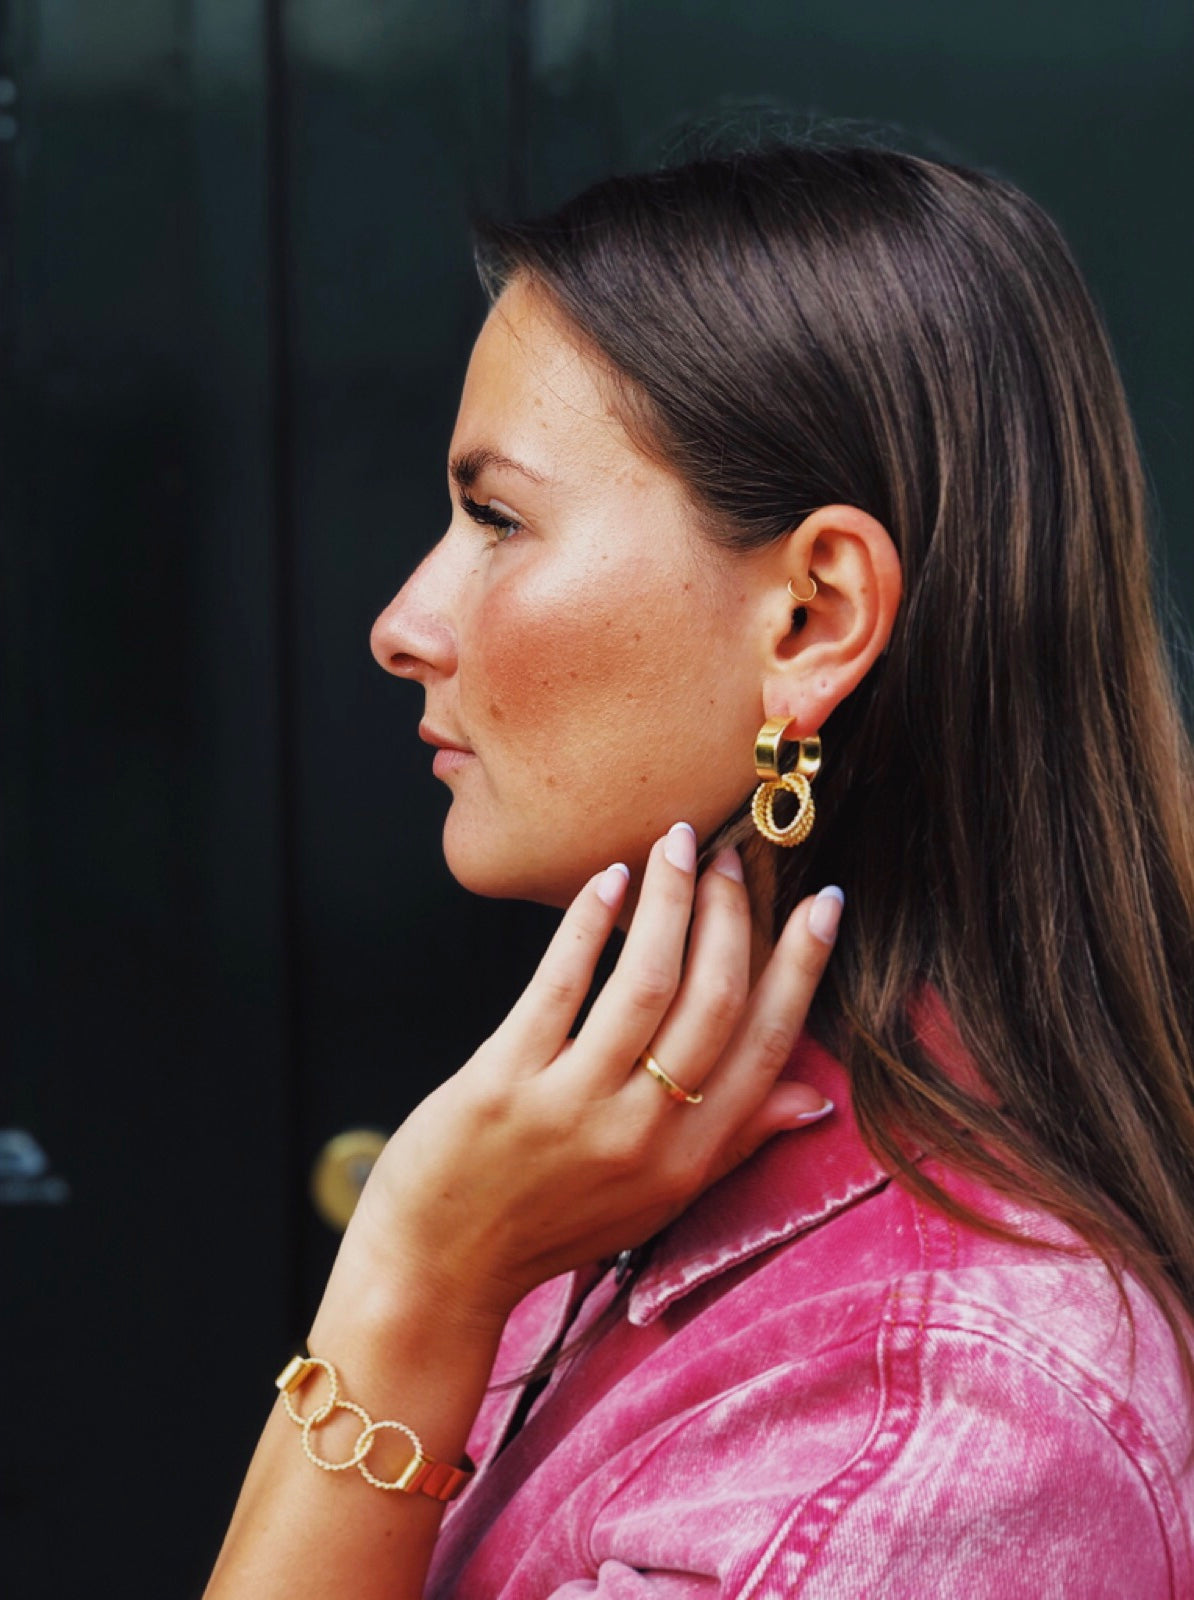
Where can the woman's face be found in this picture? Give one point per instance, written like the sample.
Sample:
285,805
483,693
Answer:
585,653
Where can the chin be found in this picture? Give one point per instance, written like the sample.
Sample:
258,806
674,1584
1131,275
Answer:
509,874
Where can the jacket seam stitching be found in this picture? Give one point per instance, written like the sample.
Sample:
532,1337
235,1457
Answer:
1070,1387
867,1472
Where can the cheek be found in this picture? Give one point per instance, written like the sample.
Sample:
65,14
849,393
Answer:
563,676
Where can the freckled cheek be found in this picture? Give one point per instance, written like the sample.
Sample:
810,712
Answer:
536,676
520,672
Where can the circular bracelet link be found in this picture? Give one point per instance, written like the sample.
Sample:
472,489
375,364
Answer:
371,1433
317,1419
323,1411
419,1475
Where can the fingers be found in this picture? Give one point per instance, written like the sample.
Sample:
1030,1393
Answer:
716,980
627,1013
776,1011
535,1029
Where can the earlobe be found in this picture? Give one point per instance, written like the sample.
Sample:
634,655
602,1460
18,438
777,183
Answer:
842,569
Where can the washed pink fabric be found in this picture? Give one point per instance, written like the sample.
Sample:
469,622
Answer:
821,1387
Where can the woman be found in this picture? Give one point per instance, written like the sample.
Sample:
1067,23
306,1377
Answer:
828,441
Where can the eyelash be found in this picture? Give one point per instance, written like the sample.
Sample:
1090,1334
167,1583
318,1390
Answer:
489,518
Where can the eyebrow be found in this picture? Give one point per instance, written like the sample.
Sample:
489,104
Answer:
467,468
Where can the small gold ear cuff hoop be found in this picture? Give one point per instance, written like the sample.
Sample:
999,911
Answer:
670,1085
803,599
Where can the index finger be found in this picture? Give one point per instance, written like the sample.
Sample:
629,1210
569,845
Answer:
537,1024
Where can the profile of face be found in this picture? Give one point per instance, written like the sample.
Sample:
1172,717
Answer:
595,668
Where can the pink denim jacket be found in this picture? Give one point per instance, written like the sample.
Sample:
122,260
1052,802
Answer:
821,1387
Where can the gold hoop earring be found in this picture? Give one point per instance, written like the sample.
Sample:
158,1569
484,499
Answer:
806,599
797,782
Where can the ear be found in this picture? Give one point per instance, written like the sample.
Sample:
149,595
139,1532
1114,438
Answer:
812,666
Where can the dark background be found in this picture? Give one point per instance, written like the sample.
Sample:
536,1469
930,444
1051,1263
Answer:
236,299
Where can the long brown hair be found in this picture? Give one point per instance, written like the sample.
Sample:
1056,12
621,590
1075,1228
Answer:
1006,799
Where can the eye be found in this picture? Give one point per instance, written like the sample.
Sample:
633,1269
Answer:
490,517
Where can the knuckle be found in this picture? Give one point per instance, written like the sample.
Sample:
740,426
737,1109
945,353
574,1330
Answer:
489,1102
769,1044
723,997
626,1146
559,983
565,971
651,986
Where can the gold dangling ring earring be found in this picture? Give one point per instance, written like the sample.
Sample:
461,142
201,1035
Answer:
797,782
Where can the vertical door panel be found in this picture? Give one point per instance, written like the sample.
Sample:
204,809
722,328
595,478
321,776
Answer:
143,1216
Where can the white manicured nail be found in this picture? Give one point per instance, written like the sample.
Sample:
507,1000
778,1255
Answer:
729,864
806,1117
611,885
680,848
826,913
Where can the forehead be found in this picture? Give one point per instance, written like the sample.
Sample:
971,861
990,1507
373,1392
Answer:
532,392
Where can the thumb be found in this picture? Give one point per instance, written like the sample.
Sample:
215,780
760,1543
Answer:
788,1107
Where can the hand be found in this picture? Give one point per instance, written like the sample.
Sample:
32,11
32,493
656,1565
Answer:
543,1153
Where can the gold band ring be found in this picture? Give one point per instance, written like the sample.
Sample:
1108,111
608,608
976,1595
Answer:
648,1061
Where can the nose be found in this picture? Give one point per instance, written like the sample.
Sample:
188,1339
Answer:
415,636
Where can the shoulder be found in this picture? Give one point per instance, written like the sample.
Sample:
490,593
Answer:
1006,1453
879,1401
920,1409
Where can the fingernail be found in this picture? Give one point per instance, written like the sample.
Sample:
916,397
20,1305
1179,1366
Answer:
806,1117
729,864
826,914
611,885
680,848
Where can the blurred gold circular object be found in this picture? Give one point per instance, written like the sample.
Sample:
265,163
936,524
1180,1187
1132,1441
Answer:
340,1171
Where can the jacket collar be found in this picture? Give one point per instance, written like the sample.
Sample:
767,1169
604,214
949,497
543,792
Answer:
796,1181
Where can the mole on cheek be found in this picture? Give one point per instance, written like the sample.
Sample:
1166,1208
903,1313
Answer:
496,712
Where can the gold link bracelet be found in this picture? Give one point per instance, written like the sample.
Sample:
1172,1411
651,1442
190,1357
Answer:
421,1475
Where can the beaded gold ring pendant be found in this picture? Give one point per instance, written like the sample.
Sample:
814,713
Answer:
797,782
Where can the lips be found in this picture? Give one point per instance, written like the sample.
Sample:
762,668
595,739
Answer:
441,740
449,756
